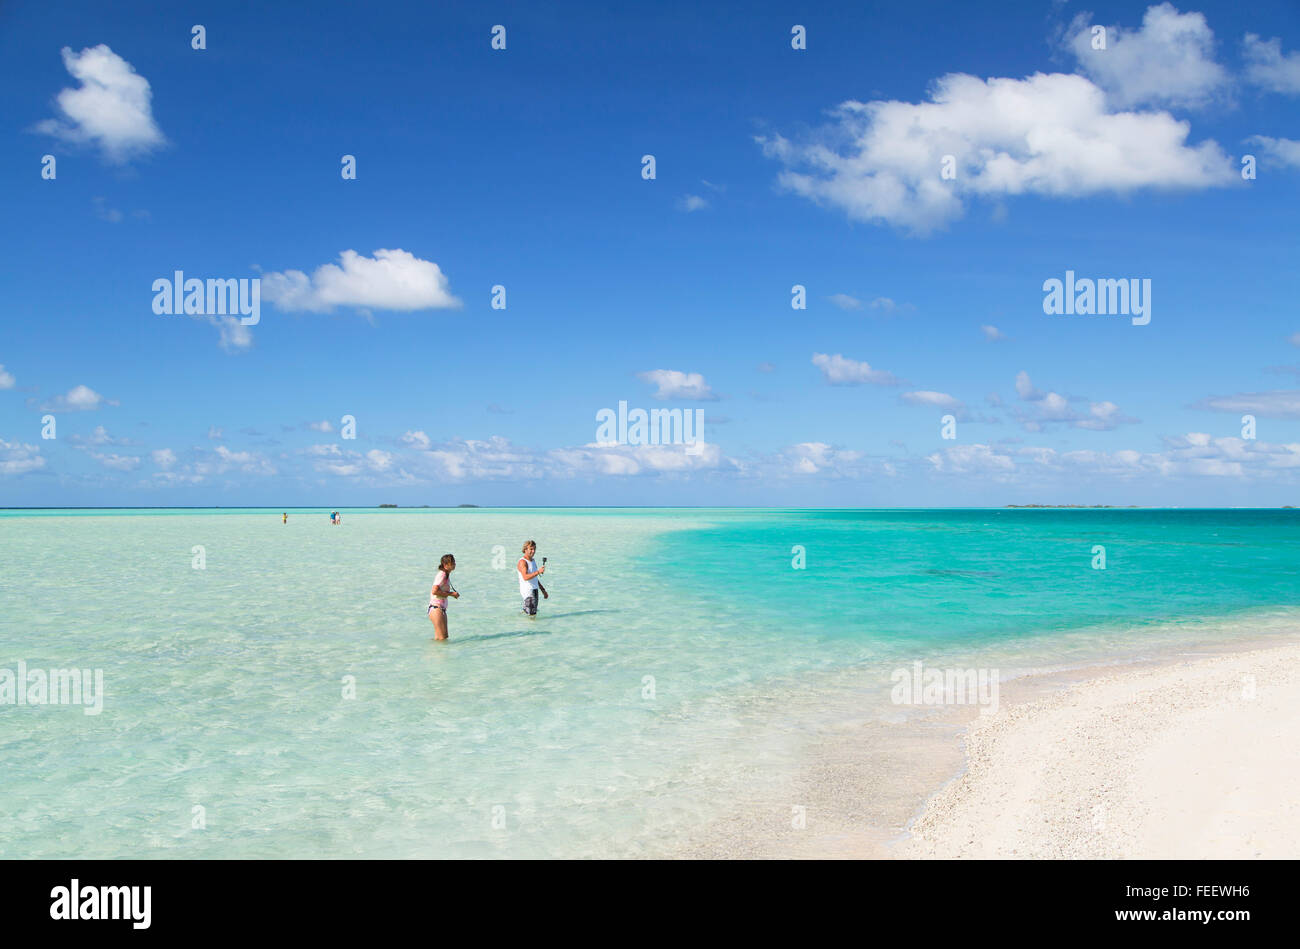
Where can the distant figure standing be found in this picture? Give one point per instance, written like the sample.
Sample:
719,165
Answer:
438,596
284,518
528,582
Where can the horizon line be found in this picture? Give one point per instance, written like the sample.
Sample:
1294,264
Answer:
665,507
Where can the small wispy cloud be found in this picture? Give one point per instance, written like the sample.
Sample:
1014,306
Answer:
672,384
838,370
104,212
235,336
941,400
1268,68
99,436
1052,408
1284,151
1025,388
116,462
17,458
1283,403
77,399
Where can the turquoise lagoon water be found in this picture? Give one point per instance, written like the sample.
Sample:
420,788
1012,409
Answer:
681,661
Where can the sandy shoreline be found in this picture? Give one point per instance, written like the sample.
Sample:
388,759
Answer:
1195,754
1193,757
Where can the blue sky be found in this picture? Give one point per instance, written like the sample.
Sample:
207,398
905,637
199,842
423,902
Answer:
522,168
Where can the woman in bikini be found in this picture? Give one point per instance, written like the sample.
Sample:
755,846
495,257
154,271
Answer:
438,596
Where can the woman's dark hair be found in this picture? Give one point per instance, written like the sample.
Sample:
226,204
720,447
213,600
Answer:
446,559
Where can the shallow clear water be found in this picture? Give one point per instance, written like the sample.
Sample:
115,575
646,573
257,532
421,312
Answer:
680,661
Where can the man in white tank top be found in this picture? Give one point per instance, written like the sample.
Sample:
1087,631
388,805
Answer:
529,583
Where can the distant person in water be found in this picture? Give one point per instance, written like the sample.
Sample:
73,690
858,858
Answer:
529,583
438,596
284,518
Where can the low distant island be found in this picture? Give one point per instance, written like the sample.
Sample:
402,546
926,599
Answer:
1089,506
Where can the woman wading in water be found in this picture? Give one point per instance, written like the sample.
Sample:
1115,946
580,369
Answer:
438,596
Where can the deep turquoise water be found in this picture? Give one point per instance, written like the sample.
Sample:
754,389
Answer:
959,577
680,662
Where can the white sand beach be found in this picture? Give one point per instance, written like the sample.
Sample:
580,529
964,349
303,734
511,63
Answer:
1195,754
1197,757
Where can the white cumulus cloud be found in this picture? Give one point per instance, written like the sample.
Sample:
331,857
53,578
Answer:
1169,61
972,459
819,457
391,280
1052,135
110,109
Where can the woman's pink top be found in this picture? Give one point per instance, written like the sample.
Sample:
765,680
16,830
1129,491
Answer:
439,581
